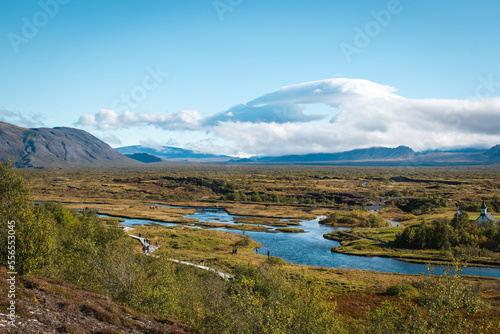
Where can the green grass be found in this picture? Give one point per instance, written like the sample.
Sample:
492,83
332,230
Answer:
290,230
384,234
194,245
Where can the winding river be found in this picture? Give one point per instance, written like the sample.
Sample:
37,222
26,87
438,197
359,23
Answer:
311,248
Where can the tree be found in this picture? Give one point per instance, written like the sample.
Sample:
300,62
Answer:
33,228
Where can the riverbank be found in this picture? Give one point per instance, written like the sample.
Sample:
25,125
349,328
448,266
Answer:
175,211
365,290
355,244
311,248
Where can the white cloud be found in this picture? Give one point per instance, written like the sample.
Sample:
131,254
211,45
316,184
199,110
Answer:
33,120
111,139
149,143
328,91
110,120
275,112
363,114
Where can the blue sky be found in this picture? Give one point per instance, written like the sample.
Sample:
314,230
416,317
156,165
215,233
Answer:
256,77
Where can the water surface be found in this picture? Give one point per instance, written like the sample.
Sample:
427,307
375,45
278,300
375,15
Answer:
311,248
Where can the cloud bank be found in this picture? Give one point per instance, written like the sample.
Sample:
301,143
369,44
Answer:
363,114
31,121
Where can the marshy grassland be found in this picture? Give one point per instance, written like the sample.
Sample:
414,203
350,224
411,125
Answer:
354,292
267,193
269,292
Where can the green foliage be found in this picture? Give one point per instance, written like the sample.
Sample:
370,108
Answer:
444,306
406,217
390,319
354,218
81,248
471,207
447,234
446,299
34,229
393,193
276,261
245,241
262,299
418,206
402,290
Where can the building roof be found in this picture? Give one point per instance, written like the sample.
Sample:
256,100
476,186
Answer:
485,218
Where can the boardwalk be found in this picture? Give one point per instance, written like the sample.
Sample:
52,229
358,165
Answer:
143,241
393,223
220,273
152,248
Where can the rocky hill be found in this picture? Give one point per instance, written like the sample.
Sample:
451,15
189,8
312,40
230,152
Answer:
57,147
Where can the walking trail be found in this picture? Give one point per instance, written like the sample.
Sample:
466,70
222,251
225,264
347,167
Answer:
152,248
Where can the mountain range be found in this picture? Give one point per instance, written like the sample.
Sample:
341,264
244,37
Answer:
57,147
69,147
172,154
383,156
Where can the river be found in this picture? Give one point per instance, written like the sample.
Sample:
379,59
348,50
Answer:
311,248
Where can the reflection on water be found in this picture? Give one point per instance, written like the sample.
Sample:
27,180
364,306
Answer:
312,249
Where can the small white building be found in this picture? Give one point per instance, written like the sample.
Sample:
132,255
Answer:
485,216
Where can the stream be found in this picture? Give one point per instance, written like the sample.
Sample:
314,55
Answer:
311,248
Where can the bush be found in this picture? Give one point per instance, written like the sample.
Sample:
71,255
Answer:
406,217
33,241
402,290
276,261
245,241
446,306
354,218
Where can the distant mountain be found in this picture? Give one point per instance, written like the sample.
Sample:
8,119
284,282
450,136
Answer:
383,156
493,153
144,157
174,153
68,147
368,154
57,147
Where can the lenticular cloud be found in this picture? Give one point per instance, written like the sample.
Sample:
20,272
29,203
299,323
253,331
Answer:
363,114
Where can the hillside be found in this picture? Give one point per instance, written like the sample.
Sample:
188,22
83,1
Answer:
48,306
56,147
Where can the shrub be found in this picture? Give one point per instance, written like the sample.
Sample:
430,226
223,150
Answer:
34,237
447,305
406,217
245,241
402,290
276,261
